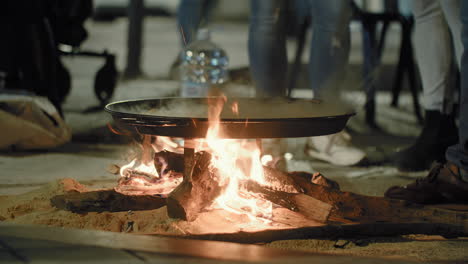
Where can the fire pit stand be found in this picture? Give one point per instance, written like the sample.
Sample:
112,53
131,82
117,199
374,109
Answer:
309,205
262,118
284,118
189,158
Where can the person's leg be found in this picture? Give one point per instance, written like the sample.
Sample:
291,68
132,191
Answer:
190,15
434,53
446,183
458,154
267,47
433,49
451,11
329,50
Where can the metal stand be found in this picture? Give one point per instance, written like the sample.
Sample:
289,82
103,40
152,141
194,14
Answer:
189,158
259,144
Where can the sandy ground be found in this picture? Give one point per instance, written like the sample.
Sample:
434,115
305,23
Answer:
34,207
29,179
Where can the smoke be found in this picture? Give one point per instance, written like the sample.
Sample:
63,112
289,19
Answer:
248,108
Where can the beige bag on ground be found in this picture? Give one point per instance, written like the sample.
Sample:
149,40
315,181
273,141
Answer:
30,122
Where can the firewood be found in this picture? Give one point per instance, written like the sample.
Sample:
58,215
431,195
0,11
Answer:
195,193
137,183
167,161
280,180
331,232
312,208
306,205
106,200
319,179
352,207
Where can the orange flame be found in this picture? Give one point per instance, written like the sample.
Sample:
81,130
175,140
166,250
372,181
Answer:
141,176
235,161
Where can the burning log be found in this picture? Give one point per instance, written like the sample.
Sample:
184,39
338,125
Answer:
280,181
162,179
106,200
347,231
311,195
350,207
196,193
167,161
306,205
142,184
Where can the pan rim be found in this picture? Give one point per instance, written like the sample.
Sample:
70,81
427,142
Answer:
109,106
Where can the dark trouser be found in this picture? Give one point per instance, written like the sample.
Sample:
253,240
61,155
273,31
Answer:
458,153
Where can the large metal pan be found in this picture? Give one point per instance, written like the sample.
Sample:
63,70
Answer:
257,117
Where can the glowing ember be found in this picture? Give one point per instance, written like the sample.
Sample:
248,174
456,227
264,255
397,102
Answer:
141,176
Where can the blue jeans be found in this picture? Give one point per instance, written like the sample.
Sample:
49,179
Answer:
329,49
458,153
192,14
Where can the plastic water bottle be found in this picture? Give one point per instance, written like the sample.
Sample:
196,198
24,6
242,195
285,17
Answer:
204,65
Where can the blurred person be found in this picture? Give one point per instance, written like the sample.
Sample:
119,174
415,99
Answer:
191,15
329,52
437,44
447,182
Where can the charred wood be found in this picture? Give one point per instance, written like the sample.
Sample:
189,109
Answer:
280,181
166,162
307,206
196,193
349,206
106,200
347,231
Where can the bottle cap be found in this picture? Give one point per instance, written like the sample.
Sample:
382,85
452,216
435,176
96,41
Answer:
203,34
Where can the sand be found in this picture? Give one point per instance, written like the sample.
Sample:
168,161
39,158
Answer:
34,208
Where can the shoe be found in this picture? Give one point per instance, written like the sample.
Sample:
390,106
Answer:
443,185
439,132
335,149
273,150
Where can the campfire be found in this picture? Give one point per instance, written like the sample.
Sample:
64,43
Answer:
208,176
213,173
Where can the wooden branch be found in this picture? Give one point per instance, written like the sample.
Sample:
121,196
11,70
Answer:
312,208
195,194
349,206
280,180
106,200
166,161
306,205
339,232
142,184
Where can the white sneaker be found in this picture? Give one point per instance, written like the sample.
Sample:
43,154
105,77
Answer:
335,149
273,150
